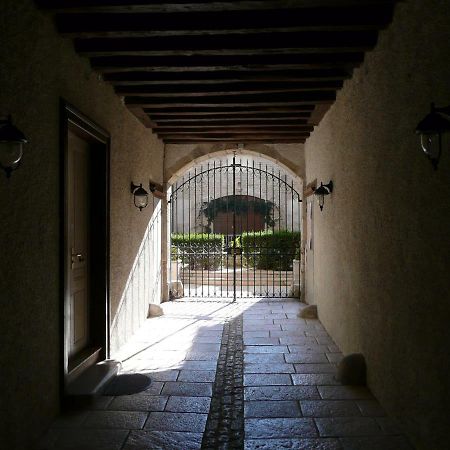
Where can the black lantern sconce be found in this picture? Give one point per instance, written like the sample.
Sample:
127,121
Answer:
431,129
11,146
140,196
322,191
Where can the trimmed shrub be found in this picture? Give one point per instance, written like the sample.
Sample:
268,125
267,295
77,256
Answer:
270,250
198,250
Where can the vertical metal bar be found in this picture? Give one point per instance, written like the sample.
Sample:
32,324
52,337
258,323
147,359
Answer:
202,257
252,246
292,224
208,231
213,213
247,273
279,225
234,227
240,217
227,216
261,248
274,226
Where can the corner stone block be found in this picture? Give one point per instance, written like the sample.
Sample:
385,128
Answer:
155,311
308,312
352,370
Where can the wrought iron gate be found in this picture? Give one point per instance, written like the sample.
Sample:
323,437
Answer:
235,231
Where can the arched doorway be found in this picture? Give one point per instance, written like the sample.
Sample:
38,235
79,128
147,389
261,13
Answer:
235,229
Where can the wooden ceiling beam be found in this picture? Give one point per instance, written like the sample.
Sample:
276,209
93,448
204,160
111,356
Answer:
234,123
365,17
225,89
231,44
245,100
227,62
228,110
237,140
225,76
234,129
176,6
181,121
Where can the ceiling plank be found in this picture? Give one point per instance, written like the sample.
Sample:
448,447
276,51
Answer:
170,110
235,123
365,17
225,89
172,6
278,99
226,62
237,140
293,129
260,43
225,76
182,121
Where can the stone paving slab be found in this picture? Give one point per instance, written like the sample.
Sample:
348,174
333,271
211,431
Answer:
273,379
188,404
329,408
348,426
163,440
172,421
376,443
279,428
271,409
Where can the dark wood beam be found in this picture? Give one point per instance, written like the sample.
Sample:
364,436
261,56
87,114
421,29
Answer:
201,120
171,6
225,89
225,76
228,110
253,44
226,62
278,99
234,129
245,21
237,140
234,123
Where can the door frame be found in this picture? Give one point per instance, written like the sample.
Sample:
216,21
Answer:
71,119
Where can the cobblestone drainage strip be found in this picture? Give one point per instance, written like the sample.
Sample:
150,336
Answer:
225,424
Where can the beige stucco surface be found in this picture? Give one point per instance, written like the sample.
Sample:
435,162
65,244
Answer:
37,68
382,280
180,157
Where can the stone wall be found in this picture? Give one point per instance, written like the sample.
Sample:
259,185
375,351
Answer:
381,278
37,68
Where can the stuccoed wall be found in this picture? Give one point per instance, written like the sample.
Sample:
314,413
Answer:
179,157
382,250
37,68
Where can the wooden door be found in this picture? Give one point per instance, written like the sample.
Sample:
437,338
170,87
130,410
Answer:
309,251
78,240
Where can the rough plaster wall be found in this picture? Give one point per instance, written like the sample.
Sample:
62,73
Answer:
178,156
381,248
143,286
37,68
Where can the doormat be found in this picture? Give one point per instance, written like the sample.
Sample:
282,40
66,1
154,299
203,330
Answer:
127,384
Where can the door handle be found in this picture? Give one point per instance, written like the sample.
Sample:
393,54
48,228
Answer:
78,256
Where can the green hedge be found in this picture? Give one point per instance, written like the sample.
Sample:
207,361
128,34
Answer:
198,250
270,250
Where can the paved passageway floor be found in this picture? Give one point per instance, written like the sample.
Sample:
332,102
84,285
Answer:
273,388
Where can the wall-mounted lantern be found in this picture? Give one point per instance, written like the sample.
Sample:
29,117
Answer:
140,196
11,146
322,191
430,129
